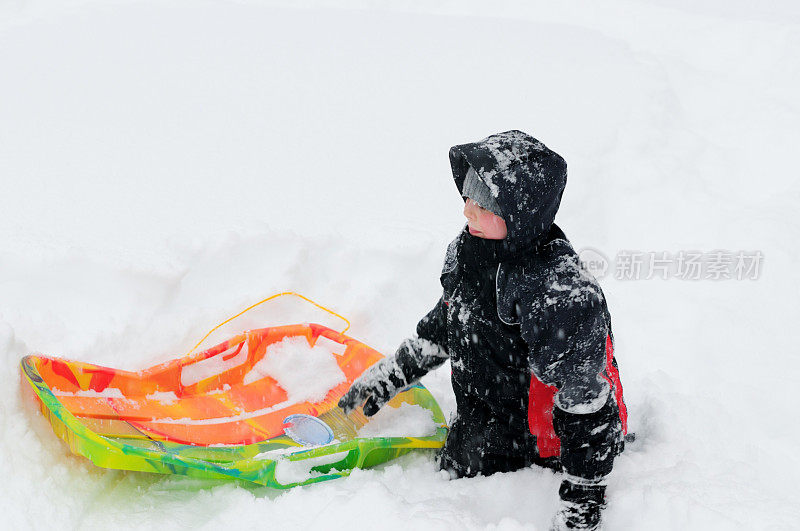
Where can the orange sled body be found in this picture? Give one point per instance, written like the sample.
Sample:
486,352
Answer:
201,415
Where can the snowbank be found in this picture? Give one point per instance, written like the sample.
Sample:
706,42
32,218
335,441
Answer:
165,165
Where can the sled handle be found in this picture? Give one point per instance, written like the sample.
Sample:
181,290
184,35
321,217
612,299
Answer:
226,321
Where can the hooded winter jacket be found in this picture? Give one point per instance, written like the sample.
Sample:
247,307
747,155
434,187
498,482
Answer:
525,326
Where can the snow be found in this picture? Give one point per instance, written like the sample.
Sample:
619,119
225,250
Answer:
406,420
166,397
306,373
287,471
330,345
108,392
165,165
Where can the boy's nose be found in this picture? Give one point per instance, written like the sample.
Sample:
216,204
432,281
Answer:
469,209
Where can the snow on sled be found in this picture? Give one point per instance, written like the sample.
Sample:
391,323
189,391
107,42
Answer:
259,407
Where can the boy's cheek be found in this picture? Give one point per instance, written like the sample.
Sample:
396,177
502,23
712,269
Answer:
493,226
486,218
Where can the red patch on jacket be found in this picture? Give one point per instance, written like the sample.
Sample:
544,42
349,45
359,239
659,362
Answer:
541,400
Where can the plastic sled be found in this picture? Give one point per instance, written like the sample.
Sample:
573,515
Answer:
200,416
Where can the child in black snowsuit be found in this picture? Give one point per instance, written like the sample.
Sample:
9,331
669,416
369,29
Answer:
527,331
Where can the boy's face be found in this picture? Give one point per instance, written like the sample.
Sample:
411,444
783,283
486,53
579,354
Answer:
484,224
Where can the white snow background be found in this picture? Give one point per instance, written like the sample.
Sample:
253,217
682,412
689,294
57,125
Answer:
165,164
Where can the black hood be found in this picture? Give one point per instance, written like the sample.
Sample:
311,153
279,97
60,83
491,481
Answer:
525,177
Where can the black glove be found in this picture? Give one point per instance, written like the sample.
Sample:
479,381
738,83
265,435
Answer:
581,506
376,386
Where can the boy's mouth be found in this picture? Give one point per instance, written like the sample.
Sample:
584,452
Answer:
474,232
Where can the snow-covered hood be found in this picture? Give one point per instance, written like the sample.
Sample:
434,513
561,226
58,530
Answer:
526,178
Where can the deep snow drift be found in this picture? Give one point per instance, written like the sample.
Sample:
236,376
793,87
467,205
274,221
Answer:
166,165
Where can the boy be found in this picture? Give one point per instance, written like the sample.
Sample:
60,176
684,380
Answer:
527,331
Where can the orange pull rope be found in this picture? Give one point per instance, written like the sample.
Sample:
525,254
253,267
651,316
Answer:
262,302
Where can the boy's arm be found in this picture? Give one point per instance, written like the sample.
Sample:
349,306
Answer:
414,358
567,342
427,350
